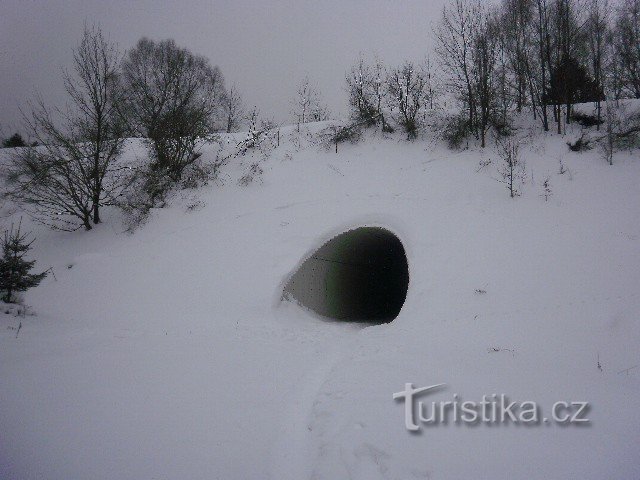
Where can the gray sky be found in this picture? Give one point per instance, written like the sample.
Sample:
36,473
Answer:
265,46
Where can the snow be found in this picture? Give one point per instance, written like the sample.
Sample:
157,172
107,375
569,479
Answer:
167,353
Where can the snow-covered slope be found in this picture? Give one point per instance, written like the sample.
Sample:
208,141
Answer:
166,354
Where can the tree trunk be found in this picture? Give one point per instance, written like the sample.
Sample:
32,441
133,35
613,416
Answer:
511,178
559,119
97,184
541,38
96,210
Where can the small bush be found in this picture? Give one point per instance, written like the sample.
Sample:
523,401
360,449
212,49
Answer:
580,144
512,168
348,134
410,127
455,131
149,188
199,174
335,134
14,141
135,203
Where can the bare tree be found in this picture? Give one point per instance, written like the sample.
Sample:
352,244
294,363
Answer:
512,168
454,37
431,79
613,82
627,40
485,58
622,129
320,112
408,90
174,99
379,73
262,135
569,41
74,172
96,92
517,19
468,42
307,105
233,109
543,44
255,133
597,30
367,92
361,98
504,82
46,181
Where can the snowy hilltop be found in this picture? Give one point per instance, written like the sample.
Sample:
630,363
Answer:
169,352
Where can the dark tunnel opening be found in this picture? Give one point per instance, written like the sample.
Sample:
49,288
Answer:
361,275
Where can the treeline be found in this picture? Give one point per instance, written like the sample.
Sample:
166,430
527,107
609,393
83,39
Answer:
171,98
540,55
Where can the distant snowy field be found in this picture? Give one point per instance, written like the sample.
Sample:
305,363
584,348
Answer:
166,354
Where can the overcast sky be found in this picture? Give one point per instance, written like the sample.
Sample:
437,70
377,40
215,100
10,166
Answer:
264,46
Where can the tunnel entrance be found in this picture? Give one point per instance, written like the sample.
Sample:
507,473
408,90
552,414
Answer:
360,275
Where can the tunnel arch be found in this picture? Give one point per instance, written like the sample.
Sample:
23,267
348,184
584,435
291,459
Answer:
360,275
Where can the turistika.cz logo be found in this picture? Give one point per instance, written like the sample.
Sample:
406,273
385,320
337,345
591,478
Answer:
492,409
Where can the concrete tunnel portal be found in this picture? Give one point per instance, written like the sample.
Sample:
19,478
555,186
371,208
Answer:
361,275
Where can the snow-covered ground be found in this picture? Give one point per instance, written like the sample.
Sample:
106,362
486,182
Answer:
166,354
